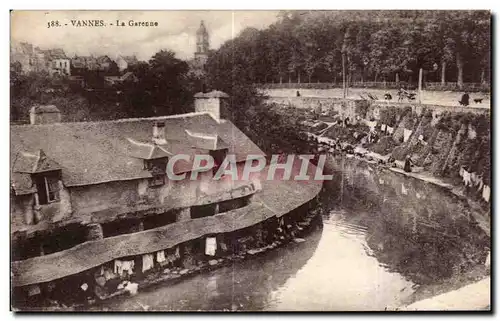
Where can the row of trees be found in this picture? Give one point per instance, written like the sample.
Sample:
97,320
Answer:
164,86
375,46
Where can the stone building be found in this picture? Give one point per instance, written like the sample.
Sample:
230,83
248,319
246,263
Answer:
85,195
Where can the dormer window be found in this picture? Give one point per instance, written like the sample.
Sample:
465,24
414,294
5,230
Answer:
157,180
157,168
159,164
47,185
218,156
45,174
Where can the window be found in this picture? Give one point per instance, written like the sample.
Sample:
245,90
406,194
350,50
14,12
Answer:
218,156
159,164
52,188
48,189
157,180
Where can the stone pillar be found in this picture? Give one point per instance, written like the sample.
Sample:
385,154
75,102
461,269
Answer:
184,214
28,211
36,210
210,102
65,208
94,232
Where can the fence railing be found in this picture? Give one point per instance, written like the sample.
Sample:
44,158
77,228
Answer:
437,86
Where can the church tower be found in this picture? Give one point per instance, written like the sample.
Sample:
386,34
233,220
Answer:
202,45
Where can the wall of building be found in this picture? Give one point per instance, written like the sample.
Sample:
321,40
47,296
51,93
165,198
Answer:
21,208
106,196
45,118
211,105
336,104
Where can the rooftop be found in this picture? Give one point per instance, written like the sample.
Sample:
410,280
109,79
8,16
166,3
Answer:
44,109
99,152
212,94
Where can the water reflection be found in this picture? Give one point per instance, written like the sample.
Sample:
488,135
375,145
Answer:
412,227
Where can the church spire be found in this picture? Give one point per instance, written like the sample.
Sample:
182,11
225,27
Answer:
202,41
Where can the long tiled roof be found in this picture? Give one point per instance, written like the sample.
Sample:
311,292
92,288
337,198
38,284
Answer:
98,152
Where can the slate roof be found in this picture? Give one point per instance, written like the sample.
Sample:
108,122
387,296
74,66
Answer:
212,94
57,53
205,141
98,152
144,150
34,163
44,109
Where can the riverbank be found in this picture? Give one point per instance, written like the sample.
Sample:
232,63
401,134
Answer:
472,297
442,213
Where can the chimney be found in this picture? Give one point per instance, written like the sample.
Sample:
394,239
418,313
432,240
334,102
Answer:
44,114
159,133
212,102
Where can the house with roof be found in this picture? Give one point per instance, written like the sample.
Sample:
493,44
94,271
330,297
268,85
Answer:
124,62
86,194
59,63
35,59
126,77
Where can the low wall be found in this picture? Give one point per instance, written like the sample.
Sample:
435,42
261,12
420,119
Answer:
448,86
330,103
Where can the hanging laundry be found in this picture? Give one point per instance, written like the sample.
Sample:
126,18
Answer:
177,253
486,193
128,266
406,134
382,127
160,256
147,262
461,171
210,246
124,266
223,246
403,190
466,178
372,125
390,129
84,287
118,267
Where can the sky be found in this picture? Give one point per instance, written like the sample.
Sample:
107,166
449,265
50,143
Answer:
176,30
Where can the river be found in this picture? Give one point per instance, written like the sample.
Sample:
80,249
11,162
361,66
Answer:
362,257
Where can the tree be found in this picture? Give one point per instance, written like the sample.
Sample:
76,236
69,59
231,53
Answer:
166,81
